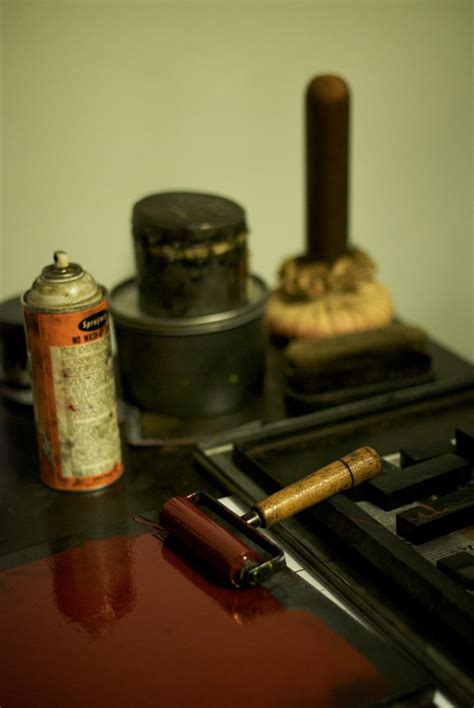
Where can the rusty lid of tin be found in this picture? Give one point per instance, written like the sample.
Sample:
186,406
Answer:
189,217
125,309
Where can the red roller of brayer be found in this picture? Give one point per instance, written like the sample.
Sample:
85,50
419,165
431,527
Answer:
231,546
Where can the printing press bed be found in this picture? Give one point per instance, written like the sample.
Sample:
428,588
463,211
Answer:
96,609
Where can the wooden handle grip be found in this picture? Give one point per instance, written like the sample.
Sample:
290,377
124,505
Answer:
364,463
327,167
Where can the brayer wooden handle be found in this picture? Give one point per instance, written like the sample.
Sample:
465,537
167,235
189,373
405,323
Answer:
364,463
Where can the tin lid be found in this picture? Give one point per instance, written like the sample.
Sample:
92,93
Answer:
62,285
190,217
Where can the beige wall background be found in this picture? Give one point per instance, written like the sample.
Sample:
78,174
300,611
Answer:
105,102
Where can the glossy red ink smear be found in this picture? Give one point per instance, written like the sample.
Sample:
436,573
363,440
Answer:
124,622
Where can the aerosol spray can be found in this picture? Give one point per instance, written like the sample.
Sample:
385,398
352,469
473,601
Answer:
69,348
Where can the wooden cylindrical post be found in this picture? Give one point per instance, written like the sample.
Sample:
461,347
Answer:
327,171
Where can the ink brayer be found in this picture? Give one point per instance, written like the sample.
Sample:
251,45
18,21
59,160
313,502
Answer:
232,546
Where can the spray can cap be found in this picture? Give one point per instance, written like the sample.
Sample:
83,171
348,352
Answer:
61,285
61,269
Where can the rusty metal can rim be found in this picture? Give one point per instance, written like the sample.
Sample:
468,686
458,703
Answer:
102,293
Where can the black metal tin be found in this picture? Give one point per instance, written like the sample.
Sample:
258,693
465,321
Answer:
15,382
194,366
191,254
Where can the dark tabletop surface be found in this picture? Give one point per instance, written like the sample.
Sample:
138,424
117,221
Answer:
32,514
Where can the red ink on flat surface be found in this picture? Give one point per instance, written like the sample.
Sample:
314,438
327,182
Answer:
124,622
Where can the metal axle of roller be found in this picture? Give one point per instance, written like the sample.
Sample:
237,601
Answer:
231,546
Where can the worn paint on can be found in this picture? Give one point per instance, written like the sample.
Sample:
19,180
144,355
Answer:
69,348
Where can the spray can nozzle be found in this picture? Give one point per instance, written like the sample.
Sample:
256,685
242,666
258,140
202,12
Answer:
61,260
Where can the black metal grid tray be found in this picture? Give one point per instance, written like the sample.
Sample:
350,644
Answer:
375,571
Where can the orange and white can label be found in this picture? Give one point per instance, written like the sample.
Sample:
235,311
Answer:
74,392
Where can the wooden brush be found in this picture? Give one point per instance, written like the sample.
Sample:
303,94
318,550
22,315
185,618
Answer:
331,289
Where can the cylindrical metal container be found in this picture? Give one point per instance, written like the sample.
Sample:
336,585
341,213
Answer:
68,338
15,381
191,254
190,367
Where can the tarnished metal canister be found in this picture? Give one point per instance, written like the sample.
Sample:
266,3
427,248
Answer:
15,382
190,367
68,338
191,254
